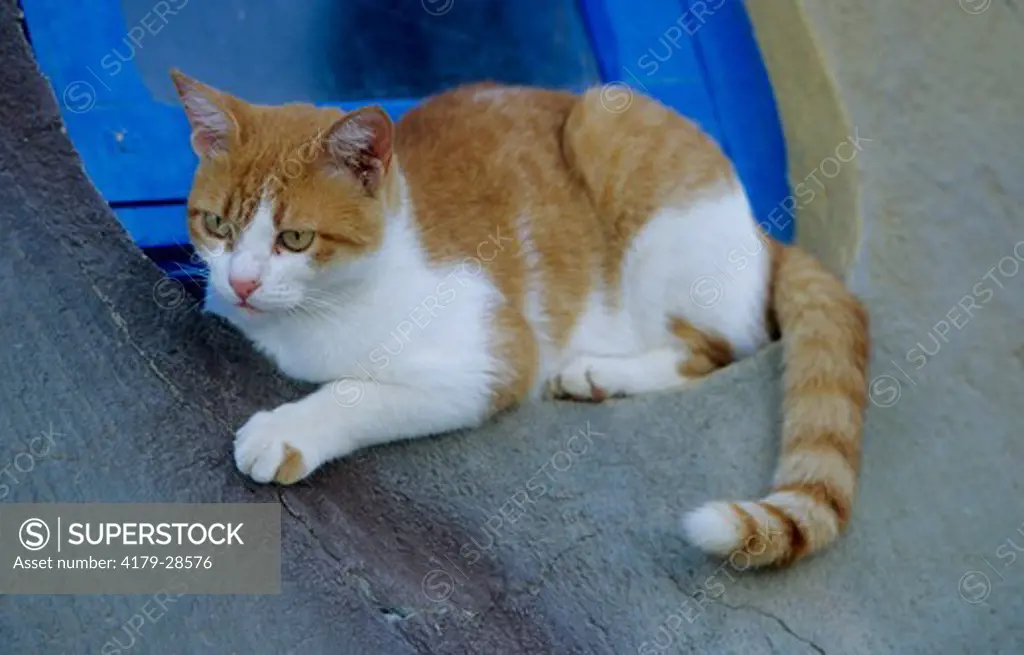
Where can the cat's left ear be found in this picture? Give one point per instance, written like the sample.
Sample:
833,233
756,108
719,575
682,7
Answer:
361,142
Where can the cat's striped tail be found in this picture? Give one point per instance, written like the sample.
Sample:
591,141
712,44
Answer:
825,338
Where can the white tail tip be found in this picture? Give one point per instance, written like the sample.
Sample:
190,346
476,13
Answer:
714,528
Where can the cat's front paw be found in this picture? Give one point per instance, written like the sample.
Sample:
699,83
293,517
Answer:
270,447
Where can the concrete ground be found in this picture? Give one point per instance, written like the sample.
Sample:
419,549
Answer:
143,400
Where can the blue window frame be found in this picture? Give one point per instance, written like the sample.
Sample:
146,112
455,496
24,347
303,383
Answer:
107,62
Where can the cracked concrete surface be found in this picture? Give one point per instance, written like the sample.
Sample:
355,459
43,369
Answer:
405,549
782,624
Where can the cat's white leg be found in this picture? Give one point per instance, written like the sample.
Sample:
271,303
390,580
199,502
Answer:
595,377
290,442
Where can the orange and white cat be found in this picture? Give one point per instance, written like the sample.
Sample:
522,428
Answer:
506,243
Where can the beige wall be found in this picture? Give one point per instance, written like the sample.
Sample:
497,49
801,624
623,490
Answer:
829,222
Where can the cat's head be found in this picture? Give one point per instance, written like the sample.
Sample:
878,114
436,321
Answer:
287,200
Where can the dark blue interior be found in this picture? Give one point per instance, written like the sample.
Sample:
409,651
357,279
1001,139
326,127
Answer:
324,50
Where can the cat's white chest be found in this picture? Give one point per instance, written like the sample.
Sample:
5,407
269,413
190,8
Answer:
309,351
415,324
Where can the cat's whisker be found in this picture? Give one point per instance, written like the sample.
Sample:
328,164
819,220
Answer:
326,308
319,295
319,312
318,302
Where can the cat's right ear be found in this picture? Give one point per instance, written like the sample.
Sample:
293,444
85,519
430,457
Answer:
209,112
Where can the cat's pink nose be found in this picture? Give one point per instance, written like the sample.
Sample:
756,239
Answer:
244,287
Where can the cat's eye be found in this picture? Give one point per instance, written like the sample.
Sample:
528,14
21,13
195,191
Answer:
296,240
216,225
